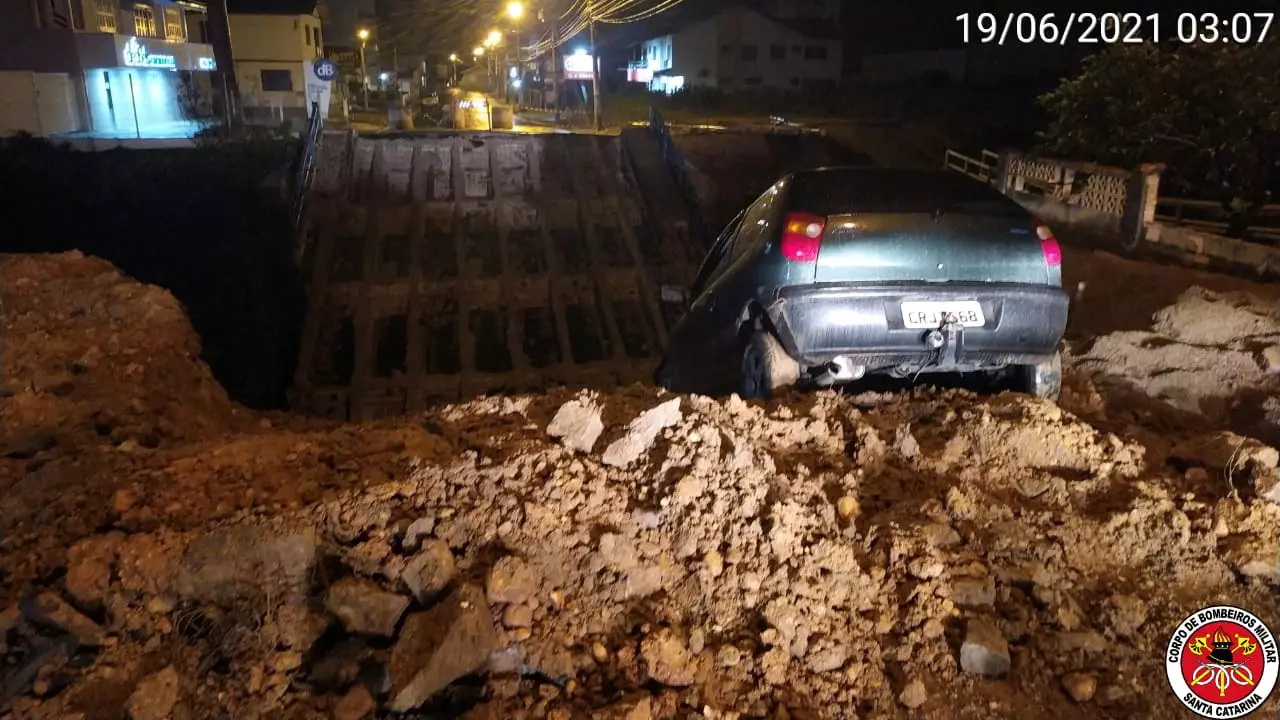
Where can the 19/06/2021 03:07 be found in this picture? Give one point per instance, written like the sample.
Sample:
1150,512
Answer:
1111,28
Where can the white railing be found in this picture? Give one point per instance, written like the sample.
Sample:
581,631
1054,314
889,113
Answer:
983,169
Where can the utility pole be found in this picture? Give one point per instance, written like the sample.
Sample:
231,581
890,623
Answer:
555,65
595,66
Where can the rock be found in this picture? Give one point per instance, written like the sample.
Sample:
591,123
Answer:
1125,614
728,656
511,580
577,424
643,581
89,566
417,531
847,507
339,666
1267,568
828,660
933,628
297,627
365,608
618,552
973,592
507,661
714,562
1087,640
668,660
29,445
436,647
1266,484
51,611
925,568
913,695
1080,686
638,708
517,616
430,571
599,651
246,562
357,704
155,696
984,650
1271,359
1226,450
940,536
641,434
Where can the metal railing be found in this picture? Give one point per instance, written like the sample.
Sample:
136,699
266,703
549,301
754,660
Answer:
1204,215
983,169
680,171
306,164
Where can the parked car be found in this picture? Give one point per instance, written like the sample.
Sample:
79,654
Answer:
836,274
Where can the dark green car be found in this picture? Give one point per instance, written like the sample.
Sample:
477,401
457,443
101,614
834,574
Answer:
839,273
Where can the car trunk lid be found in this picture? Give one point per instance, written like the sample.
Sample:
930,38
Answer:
930,247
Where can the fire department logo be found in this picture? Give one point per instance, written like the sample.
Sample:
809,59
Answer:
1222,662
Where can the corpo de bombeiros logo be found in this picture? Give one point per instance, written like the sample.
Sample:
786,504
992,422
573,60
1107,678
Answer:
1222,662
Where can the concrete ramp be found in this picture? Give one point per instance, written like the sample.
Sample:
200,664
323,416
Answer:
443,267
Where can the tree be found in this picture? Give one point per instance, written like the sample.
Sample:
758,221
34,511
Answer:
1211,113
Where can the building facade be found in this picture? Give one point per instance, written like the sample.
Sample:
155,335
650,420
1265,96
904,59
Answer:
738,50
105,68
275,50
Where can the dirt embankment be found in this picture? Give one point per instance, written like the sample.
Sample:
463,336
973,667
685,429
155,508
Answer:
626,555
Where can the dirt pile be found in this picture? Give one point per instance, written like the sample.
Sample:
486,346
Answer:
636,555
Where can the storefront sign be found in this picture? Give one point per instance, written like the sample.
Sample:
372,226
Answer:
578,66
325,69
205,63
136,55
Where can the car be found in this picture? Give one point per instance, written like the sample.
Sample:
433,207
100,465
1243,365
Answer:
837,274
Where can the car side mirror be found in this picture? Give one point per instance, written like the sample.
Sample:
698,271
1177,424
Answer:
675,294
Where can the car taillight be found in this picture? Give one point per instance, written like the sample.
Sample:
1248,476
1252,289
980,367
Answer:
802,237
1049,246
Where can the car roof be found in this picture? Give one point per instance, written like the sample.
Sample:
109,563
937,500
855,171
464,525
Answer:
836,190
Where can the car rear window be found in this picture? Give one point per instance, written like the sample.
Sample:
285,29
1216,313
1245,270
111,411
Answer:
837,192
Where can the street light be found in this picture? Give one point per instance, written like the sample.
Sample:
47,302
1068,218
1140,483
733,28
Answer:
494,38
363,34
515,10
453,74
477,51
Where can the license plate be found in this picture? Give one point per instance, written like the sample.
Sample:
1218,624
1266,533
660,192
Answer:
968,313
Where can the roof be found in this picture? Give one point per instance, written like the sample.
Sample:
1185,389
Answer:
271,7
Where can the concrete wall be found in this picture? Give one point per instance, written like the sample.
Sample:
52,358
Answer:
38,103
249,76
280,38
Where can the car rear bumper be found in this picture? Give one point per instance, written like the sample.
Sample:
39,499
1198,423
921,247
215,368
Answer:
864,325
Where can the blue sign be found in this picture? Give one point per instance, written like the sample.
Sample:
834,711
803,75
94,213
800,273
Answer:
136,55
325,69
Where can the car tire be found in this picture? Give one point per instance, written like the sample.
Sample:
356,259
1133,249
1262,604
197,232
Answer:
766,367
1043,380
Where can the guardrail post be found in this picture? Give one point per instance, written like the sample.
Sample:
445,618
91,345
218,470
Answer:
1001,178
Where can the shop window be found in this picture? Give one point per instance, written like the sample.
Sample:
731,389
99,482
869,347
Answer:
105,12
144,21
173,24
277,81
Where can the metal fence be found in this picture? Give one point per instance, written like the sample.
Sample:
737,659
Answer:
983,168
680,170
305,164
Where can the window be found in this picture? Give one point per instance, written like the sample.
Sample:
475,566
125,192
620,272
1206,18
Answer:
277,81
173,24
750,53
306,34
815,52
315,34
755,224
717,259
105,11
777,52
752,81
144,21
